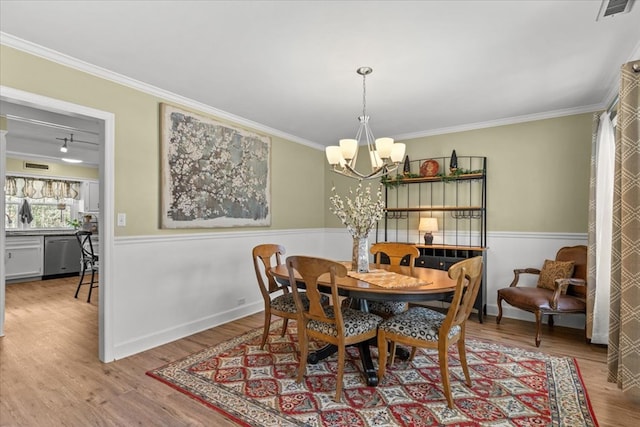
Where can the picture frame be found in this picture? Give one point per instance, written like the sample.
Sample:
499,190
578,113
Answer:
213,174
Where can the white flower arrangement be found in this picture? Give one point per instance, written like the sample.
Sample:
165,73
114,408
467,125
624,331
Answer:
360,212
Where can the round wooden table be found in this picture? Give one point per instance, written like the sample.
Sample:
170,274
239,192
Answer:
437,284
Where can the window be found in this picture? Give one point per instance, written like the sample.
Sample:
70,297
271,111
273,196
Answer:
51,202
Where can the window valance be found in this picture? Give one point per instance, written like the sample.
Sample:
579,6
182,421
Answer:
41,188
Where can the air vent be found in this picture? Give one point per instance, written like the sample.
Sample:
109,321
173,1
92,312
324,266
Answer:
614,7
29,165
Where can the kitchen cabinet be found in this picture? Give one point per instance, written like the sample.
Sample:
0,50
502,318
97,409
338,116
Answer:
23,257
92,197
457,198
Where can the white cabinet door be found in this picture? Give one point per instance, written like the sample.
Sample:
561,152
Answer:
23,257
93,197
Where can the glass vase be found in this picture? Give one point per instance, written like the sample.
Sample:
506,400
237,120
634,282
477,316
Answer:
360,255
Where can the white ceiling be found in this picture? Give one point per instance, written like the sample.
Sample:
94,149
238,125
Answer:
438,66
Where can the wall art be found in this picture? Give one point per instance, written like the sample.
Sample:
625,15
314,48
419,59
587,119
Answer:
213,174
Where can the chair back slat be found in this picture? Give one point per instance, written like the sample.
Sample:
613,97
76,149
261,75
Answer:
468,276
396,252
265,257
310,269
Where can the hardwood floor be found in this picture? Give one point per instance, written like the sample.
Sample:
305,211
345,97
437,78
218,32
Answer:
50,373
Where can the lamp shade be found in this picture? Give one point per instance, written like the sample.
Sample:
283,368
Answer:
428,224
383,147
334,155
349,148
397,152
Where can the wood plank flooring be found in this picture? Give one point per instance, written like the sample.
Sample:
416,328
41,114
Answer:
50,374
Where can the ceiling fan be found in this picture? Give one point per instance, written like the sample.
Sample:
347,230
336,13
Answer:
65,145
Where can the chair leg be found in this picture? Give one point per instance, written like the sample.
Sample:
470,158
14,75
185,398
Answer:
499,318
304,352
93,275
285,323
341,356
538,327
413,353
392,352
462,352
82,270
267,323
382,355
443,359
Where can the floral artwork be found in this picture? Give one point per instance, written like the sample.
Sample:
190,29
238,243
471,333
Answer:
213,175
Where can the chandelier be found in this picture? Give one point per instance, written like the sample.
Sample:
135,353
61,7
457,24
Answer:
385,155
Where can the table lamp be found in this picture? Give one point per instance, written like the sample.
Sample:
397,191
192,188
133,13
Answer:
428,225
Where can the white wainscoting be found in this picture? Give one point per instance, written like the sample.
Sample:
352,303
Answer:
169,287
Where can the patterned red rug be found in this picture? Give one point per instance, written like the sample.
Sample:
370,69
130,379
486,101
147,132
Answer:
510,387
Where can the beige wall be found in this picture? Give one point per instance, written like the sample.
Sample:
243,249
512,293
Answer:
295,202
537,172
16,166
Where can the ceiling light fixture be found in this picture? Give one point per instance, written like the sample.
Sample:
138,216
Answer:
385,155
71,160
64,147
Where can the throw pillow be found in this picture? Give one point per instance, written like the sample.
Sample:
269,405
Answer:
552,270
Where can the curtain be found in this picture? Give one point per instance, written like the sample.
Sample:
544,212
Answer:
591,231
623,357
605,163
37,188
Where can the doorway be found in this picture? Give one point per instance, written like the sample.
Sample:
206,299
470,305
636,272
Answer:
106,122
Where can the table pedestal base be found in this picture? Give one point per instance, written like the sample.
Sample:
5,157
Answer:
369,371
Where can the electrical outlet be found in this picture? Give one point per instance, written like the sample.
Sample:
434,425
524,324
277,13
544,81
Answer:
241,301
122,219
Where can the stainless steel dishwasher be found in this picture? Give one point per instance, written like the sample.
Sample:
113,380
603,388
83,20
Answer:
61,255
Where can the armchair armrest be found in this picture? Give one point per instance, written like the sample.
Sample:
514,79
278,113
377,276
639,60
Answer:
518,271
561,286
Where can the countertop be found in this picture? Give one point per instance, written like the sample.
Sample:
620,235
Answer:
40,232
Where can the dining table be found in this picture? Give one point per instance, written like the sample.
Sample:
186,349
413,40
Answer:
382,283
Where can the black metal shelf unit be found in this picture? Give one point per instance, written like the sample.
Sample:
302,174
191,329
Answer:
456,198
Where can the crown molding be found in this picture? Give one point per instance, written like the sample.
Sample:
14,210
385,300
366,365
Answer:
503,122
77,64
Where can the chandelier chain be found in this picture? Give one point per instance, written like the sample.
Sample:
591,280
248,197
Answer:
364,95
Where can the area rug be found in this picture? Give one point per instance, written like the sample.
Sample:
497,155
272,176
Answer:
253,387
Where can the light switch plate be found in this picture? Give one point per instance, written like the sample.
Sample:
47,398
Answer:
122,219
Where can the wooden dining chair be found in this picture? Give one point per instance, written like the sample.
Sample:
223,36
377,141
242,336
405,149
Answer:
426,328
278,300
337,325
397,253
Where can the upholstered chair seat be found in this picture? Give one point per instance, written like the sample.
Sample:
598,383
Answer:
532,299
419,323
287,303
356,322
387,308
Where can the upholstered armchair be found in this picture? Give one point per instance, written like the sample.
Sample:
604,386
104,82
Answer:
561,288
